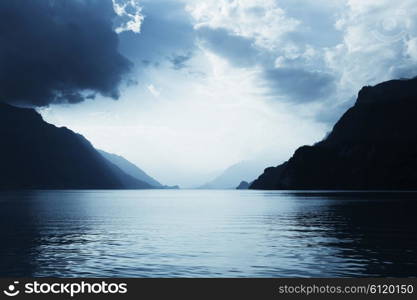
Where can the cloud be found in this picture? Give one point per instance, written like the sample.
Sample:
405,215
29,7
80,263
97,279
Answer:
262,36
300,85
154,91
412,49
130,13
272,77
180,61
261,20
58,51
238,50
375,39
166,36
322,54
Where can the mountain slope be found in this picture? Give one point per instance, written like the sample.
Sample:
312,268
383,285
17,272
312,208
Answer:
38,155
129,168
373,146
232,176
244,185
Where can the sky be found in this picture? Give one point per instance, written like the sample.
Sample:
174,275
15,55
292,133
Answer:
185,89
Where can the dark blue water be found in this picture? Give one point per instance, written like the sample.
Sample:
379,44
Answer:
180,233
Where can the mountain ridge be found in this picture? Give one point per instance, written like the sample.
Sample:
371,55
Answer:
38,155
372,146
130,168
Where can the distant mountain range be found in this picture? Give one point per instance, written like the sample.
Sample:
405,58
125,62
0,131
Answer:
129,168
373,146
244,185
232,176
133,170
38,155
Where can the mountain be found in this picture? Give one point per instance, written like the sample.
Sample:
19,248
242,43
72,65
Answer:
372,146
232,176
244,185
129,168
38,155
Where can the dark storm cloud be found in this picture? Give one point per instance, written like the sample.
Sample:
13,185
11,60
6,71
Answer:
299,85
237,50
167,35
58,51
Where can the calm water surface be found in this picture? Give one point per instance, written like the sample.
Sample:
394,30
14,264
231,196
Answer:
187,233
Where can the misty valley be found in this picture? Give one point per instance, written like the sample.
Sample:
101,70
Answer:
179,138
78,211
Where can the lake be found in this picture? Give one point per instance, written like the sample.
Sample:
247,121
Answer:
205,233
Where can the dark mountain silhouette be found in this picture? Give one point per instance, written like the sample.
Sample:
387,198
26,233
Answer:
130,168
38,155
373,146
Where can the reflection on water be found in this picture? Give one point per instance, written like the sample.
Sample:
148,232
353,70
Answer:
171,233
